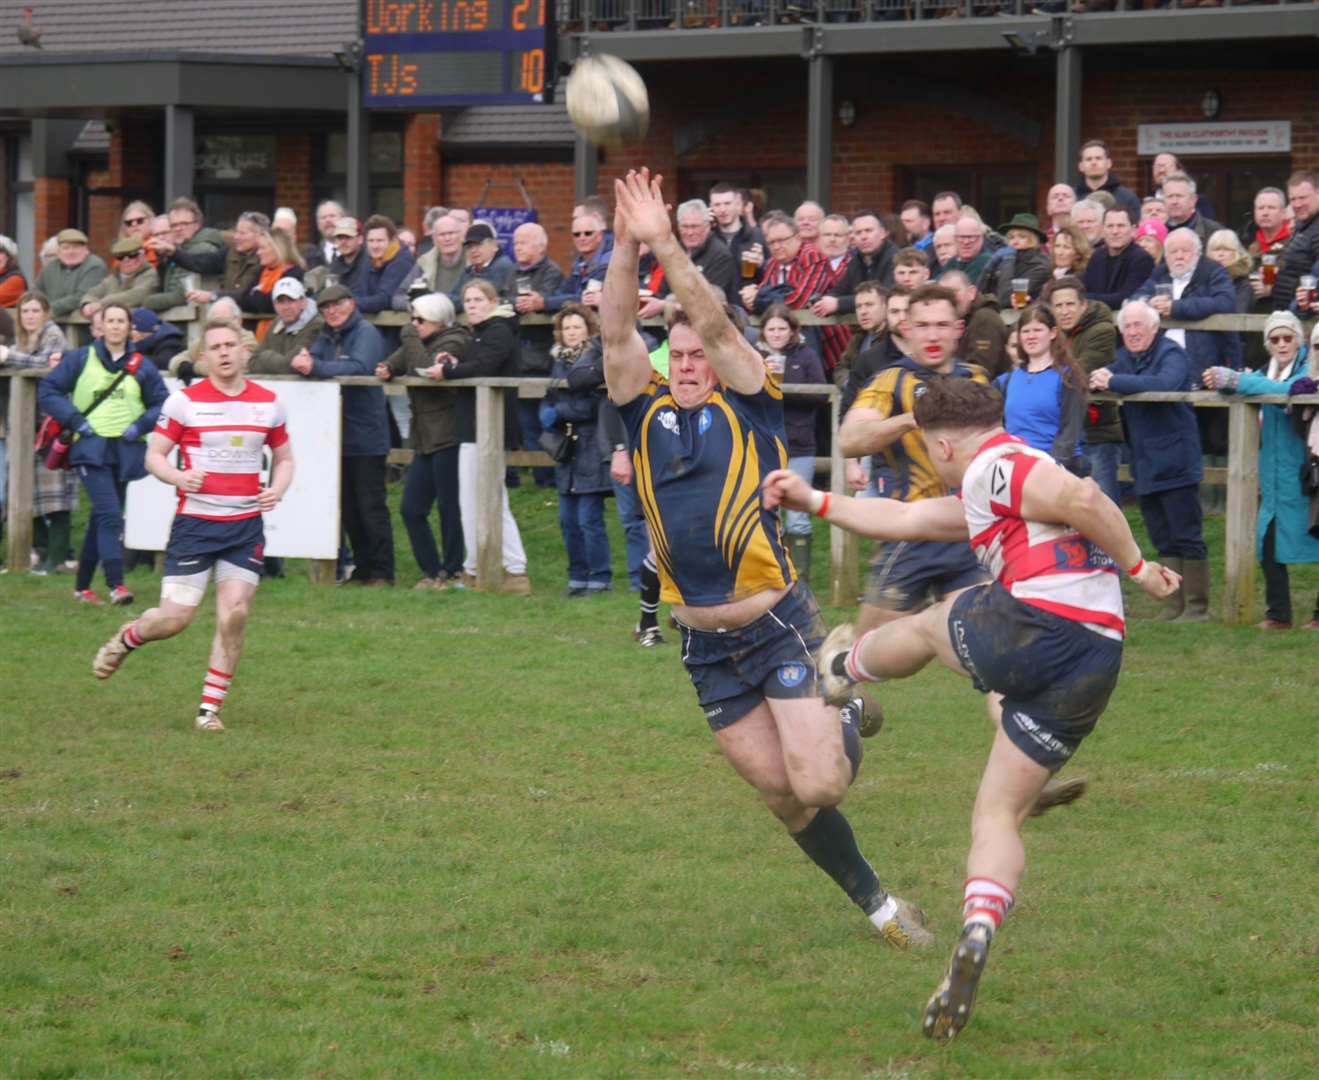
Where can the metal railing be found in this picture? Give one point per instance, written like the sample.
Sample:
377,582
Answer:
603,15
1242,470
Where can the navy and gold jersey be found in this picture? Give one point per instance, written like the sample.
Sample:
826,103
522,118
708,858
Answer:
699,473
893,392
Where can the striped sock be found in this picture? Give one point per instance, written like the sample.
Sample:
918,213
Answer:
985,902
650,593
215,688
855,671
132,639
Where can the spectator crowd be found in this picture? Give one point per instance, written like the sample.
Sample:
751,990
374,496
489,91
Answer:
1049,307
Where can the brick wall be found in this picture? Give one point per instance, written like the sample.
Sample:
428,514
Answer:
422,180
52,201
550,185
293,180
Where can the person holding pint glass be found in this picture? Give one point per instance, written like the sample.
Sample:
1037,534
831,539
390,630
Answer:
106,399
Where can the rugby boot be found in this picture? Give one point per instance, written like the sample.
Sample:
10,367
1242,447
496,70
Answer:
208,720
869,712
649,637
1176,603
830,660
87,596
949,1008
1195,587
110,655
1059,793
906,930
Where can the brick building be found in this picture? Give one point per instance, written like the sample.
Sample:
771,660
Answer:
245,105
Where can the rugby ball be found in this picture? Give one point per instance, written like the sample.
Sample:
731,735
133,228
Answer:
607,100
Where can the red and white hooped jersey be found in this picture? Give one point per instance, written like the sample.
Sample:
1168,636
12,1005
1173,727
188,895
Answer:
1047,565
223,436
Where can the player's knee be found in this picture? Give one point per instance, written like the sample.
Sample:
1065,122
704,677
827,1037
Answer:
233,619
819,789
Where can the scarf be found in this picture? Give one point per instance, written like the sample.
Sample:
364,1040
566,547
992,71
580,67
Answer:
390,253
265,284
1268,243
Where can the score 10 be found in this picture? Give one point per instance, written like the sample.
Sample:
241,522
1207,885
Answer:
428,75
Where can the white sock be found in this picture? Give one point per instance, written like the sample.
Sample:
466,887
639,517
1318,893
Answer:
854,668
884,912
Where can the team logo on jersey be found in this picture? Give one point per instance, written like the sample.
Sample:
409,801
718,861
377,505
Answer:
792,674
998,482
236,441
703,421
668,420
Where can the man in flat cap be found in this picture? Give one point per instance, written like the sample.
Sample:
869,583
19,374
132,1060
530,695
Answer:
67,278
132,282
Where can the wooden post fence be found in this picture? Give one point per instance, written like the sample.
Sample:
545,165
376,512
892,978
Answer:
1242,471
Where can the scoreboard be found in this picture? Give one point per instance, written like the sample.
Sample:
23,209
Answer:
440,53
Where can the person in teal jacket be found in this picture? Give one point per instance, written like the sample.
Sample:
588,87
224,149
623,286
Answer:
1282,536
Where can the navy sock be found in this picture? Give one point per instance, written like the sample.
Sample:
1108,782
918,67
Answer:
650,594
828,840
849,716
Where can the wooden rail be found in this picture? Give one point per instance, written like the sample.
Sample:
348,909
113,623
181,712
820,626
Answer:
1242,473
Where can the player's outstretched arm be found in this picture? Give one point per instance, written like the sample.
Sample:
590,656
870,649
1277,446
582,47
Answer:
879,519
868,431
627,363
641,202
1050,493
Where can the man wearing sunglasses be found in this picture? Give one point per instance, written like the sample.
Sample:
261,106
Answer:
132,282
586,277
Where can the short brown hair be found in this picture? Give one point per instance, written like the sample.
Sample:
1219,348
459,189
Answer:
1068,281
871,287
1095,142
1302,176
951,402
379,221
933,294
911,256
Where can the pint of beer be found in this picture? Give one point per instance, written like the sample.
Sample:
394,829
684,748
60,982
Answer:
749,266
1309,286
1020,292
1269,270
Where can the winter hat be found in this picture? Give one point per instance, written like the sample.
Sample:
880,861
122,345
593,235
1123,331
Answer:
145,321
434,307
1286,321
1150,227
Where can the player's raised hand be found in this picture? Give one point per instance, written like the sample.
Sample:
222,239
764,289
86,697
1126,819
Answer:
1157,580
641,206
191,480
783,487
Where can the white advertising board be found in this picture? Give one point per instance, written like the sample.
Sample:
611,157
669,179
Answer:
1215,137
306,524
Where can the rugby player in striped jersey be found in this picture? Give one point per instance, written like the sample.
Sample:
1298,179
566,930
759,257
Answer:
221,426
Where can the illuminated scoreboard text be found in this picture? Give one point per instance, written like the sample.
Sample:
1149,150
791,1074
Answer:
437,53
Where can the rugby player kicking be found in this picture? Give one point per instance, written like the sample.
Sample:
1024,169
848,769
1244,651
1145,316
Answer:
1043,639
221,426
702,441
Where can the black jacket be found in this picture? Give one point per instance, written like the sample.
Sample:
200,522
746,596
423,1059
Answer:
577,406
877,267
1124,195
801,364
1111,279
738,242
493,352
546,279
716,264
1300,254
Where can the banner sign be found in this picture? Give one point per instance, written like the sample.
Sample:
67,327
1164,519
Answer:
1235,137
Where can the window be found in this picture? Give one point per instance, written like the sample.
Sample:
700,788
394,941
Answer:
996,191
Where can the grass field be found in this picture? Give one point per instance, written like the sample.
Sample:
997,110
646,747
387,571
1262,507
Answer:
468,836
